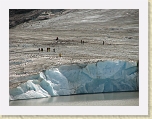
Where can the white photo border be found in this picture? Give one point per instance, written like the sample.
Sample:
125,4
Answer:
142,109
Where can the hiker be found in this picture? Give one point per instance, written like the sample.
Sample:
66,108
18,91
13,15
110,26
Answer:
41,49
57,38
83,42
59,54
48,49
103,42
54,50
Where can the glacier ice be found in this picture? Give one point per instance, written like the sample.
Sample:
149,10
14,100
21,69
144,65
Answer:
102,76
27,90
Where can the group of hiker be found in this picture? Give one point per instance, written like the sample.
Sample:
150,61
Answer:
48,49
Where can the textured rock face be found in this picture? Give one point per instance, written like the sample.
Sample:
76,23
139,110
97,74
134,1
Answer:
102,76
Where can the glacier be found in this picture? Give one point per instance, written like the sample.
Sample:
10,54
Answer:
98,77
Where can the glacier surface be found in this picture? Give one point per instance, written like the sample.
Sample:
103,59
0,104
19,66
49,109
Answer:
102,76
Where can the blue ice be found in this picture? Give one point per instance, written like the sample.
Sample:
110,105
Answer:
102,76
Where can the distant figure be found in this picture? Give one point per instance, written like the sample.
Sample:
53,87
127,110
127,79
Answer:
59,54
48,49
41,49
103,42
54,50
81,41
57,38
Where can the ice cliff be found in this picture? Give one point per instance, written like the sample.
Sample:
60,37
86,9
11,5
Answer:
102,76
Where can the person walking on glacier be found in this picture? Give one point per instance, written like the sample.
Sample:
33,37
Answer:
57,39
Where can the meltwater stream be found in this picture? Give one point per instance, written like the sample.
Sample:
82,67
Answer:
87,78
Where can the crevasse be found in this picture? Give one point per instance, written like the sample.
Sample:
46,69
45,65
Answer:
102,76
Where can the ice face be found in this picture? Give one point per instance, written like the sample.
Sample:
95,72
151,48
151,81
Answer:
102,76
28,90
